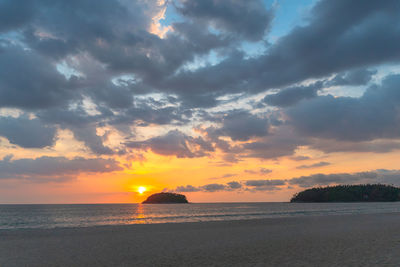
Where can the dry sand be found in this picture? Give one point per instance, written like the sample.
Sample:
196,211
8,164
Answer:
343,240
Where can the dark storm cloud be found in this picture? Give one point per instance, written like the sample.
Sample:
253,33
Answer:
241,125
103,42
117,97
60,27
82,125
372,116
292,95
13,14
149,114
30,81
314,165
249,19
283,142
323,47
27,133
143,113
113,33
54,168
175,143
67,117
199,37
375,146
88,135
353,77
329,45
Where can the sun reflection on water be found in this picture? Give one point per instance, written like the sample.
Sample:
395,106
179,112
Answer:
139,216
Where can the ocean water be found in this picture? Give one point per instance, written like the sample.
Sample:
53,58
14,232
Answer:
85,215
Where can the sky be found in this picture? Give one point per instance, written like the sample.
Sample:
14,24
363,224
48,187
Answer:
221,100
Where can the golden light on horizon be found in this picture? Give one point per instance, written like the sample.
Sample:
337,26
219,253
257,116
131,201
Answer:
141,189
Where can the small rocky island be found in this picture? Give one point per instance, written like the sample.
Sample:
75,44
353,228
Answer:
165,198
349,193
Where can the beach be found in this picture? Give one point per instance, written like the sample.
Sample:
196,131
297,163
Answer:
337,240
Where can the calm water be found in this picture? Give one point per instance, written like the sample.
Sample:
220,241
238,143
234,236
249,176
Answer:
51,216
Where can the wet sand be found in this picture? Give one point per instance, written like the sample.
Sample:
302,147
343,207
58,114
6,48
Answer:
343,240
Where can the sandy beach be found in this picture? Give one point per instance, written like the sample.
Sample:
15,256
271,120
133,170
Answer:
342,240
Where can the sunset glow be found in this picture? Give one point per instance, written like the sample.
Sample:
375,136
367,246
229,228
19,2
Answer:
141,189
222,101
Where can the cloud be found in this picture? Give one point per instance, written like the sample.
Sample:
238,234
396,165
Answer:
265,171
88,67
282,142
249,185
83,126
40,86
382,176
174,143
378,176
299,158
353,77
374,146
27,133
321,48
374,115
240,125
208,187
234,185
13,15
315,165
54,168
249,19
88,135
213,187
187,188
80,25
292,95
261,171
264,185
102,34
227,175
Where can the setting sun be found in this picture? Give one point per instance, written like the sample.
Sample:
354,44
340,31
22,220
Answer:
141,189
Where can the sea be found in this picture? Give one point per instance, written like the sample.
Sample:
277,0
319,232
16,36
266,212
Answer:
87,215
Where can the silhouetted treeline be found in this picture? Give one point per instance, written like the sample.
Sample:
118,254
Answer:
160,198
349,193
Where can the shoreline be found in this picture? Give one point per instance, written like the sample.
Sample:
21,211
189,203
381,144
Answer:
330,240
187,222
2,231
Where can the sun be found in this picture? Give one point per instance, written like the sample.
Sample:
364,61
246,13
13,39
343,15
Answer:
141,189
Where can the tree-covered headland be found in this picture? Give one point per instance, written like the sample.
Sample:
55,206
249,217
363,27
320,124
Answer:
349,193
